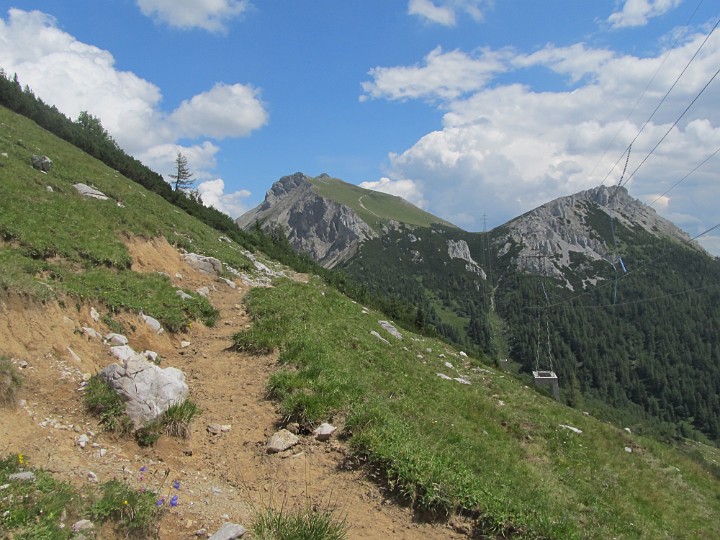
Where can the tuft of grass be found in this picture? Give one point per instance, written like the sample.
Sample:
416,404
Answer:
113,325
46,508
19,274
151,293
261,337
305,524
150,433
10,382
135,513
33,509
104,402
177,419
174,422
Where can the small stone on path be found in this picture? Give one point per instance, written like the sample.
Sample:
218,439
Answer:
229,531
324,431
281,441
26,476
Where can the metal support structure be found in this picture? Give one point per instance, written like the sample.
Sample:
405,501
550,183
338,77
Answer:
547,379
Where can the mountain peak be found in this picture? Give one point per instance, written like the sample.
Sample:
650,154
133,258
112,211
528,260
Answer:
588,224
328,218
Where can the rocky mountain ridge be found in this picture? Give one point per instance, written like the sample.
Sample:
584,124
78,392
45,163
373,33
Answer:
328,231
546,240
585,224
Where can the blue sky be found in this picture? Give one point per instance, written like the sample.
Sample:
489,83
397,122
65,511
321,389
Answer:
468,108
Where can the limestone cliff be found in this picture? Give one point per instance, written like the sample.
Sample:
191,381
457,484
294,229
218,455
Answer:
328,231
584,224
459,249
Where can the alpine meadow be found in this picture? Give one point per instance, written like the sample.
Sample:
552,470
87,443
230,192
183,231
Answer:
334,360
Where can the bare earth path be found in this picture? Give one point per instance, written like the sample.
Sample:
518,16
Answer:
222,477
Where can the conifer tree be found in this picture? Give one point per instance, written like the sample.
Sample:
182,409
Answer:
182,176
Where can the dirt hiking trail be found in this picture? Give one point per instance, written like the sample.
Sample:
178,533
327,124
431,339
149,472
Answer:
225,476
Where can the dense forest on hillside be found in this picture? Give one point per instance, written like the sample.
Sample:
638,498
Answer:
649,338
646,344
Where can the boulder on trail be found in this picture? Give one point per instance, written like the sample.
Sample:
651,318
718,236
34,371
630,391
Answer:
148,390
281,441
209,265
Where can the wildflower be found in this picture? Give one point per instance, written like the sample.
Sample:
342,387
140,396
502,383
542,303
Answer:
174,501
125,503
143,468
160,501
176,484
21,459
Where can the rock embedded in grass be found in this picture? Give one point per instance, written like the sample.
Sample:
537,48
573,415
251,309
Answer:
41,163
25,476
388,326
153,323
147,389
324,431
209,265
377,335
90,192
183,295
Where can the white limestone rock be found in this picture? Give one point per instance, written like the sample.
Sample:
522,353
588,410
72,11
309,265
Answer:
148,390
390,328
209,265
90,192
324,431
281,441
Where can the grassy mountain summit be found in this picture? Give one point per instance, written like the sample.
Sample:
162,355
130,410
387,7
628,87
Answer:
374,207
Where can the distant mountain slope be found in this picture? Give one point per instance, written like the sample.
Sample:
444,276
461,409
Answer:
548,289
557,235
328,218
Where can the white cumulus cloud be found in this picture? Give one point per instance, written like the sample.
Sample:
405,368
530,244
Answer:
443,75
210,15
227,110
505,147
444,12
212,193
76,77
639,12
405,188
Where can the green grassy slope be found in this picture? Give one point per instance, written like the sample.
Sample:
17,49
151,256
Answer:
494,450
373,207
53,239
